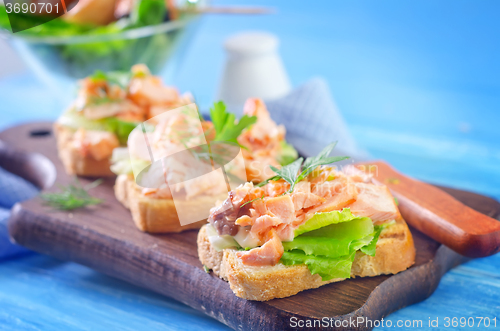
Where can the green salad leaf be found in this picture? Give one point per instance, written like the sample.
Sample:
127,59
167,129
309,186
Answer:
328,242
334,240
227,128
288,154
320,220
118,53
327,268
149,12
120,128
55,27
144,13
370,248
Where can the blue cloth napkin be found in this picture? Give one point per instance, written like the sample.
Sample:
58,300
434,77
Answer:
312,120
13,189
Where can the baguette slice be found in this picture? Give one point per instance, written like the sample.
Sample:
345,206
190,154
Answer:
150,215
74,162
395,252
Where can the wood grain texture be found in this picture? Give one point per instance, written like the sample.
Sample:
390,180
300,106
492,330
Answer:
440,216
105,238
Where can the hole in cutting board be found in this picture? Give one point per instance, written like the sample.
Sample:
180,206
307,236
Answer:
40,133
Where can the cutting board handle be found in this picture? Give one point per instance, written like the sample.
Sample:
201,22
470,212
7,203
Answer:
33,167
439,215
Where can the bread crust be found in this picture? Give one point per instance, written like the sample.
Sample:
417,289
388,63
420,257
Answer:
74,162
395,252
150,215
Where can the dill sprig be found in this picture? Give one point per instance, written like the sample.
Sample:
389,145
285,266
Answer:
292,173
72,196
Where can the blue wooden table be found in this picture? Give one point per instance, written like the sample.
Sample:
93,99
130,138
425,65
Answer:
418,84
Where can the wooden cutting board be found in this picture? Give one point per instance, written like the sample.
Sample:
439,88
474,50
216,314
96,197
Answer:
105,238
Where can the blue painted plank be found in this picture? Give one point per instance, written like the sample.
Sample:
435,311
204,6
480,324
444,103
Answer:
470,290
41,293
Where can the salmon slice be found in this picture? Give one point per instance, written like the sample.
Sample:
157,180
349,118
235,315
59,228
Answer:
276,188
375,202
259,207
148,90
305,200
244,220
331,188
302,187
268,254
285,232
265,223
358,175
98,144
346,195
282,207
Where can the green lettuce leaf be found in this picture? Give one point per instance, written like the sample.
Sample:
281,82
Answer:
72,119
328,242
288,154
327,268
370,248
120,128
320,220
334,240
123,164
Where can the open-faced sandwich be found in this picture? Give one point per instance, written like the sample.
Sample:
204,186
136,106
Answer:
307,226
108,107
153,207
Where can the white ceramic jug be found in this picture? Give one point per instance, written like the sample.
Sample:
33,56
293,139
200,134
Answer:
253,69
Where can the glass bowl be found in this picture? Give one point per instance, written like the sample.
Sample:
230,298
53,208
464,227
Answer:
59,61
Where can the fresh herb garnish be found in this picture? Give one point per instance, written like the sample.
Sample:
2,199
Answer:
72,196
246,203
225,124
96,101
120,78
290,173
207,269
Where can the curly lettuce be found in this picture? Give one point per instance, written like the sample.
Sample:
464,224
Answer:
287,154
121,129
327,243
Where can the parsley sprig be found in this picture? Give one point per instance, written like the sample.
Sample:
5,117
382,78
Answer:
72,196
291,173
225,124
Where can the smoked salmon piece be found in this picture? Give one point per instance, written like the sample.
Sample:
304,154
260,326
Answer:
282,207
98,144
268,254
375,202
305,200
265,223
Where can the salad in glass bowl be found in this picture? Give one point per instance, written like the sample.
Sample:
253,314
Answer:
74,46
